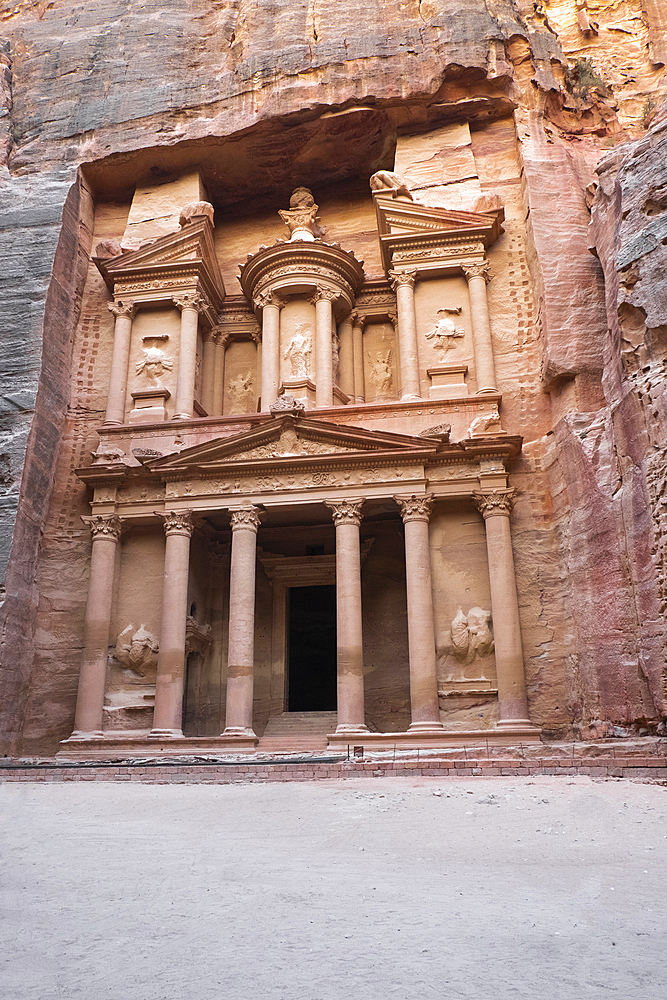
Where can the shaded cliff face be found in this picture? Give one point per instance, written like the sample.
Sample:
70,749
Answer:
262,96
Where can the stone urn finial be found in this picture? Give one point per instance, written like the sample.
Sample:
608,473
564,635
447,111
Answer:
301,217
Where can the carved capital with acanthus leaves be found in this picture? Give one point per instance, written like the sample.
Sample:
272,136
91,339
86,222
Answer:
345,511
495,502
177,522
125,307
190,300
106,526
480,270
268,298
399,278
414,508
248,518
323,294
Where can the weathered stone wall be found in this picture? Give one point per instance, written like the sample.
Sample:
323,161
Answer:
138,92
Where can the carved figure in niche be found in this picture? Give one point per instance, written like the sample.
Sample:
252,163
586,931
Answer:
445,331
154,364
287,404
240,388
484,422
298,353
386,180
137,650
335,356
107,456
470,636
301,218
380,373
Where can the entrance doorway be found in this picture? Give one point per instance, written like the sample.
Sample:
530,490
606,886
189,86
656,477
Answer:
311,645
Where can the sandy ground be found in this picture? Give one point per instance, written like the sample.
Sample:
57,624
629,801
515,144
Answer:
362,889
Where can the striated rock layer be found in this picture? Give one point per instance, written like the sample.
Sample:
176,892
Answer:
560,112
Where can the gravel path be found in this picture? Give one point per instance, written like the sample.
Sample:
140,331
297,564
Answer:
361,889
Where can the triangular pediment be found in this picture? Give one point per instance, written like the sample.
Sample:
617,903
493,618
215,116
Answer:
289,439
190,249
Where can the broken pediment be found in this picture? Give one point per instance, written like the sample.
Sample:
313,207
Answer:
408,230
174,263
294,440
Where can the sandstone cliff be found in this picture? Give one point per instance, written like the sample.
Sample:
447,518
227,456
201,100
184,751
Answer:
96,98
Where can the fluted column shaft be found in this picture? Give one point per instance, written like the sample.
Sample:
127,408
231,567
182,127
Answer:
167,717
190,306
349,632
513,702
124,313
105,529
271,305
404,285
358,356
415,512
241,648
346,357
324,298
477,276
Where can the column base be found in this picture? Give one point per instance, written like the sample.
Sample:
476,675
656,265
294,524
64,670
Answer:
79,734
182,416
350,729
485,389
426,727
410,397
175,734
239,731
515,725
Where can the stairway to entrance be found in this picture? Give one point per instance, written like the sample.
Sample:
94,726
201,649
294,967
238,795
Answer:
302,732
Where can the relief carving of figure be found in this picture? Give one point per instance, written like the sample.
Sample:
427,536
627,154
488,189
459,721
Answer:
154,364
484,423
240,388
470,636
445,331
137,650
386,180
298,353
380,373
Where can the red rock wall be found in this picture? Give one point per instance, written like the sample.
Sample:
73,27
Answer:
137,90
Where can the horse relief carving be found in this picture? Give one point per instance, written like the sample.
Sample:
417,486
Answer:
470,636
137,650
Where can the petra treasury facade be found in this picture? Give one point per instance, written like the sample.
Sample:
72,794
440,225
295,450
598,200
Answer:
335,365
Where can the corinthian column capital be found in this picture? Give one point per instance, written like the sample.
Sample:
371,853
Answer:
414,508
177,522
103,525
495,502
345,511
268,298
123,308
321,292
480,270
399,278
190,300
245,517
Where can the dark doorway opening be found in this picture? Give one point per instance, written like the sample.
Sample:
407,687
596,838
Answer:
312,649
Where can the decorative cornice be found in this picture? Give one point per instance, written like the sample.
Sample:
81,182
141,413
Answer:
104,526
245,517
480,270
177,522
120,308
414,508
399,278
345,511
496,502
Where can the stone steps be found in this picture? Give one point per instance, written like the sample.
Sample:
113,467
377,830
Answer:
297,731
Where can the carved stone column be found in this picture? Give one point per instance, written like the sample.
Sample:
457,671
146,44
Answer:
496,507
105,529
358,355
404,284
346,357
208,370
323,300
221,341
349,637
416,512
190,305
171,657
241,649
477,276
124,313
270,304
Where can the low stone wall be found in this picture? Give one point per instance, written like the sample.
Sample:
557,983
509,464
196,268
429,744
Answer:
628,765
